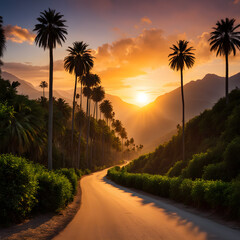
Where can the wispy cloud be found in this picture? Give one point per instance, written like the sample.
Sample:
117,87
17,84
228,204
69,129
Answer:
146,20
18,34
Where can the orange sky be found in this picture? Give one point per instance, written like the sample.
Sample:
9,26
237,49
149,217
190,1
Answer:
131,51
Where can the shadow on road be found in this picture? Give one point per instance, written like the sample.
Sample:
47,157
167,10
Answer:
194,220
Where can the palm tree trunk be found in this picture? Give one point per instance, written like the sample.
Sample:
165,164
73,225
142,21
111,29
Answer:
73,110
43,93
183,117
96,111
226,78
88,130
50,117
81,95
79,147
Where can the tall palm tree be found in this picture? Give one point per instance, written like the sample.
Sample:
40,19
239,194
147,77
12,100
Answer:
80,62
106,108
51,30
224,40
89,81
2,41
123,135
43,85
181,57
98,95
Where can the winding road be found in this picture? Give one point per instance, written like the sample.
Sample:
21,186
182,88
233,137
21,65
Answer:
112,212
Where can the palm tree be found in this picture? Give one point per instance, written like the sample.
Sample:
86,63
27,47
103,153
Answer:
106,108
79,61
51,30
224,40
181,57
43,85
123,135
2,41
89,81
98,95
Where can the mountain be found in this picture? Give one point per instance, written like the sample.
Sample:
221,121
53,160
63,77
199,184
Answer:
158,119
122,109
156,122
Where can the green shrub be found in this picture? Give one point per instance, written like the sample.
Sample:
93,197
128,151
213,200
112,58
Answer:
195,166
18,186
55,191
232,157
185,190
72,177
215,193
215,172
233,196
87,171
174,188
176,170
79,173
198,192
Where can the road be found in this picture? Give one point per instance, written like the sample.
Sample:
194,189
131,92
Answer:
112,212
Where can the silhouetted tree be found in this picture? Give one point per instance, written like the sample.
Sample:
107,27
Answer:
98,95
2,41
224,40
43,85
79,61
181,56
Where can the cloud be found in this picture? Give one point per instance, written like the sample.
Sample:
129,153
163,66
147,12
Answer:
34,73
130,57
18,34
146,20
171,84
236,1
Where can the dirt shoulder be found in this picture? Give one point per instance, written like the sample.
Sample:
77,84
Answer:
44,226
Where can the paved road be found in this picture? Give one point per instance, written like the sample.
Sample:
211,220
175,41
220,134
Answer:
112,212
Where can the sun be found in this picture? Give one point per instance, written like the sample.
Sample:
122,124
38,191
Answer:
142,98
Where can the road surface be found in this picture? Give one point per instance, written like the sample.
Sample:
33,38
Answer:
112,212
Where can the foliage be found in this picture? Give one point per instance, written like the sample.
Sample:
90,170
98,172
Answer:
212,146
71,176
18,186
217,195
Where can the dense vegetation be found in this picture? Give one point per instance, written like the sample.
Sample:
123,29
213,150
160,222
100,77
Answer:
27,188
220,196
210,175
212,144
23,131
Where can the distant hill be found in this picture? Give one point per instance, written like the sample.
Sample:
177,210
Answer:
122,109
156,122
160,117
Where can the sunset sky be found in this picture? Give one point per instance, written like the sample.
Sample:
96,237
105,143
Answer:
130,40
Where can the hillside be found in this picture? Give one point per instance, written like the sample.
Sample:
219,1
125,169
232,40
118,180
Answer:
212,146
122,109
161,117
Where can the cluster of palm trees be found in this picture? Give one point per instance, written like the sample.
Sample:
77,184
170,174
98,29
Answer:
224,40
51,30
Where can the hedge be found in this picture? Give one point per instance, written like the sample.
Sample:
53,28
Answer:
26,187
18,188
208,194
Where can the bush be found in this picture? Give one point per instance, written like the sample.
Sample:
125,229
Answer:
217,195
195,166
232,157
174,192
79,173
176,170
18,186
185,190
198,192
215,172
233,196
55,191
71,176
